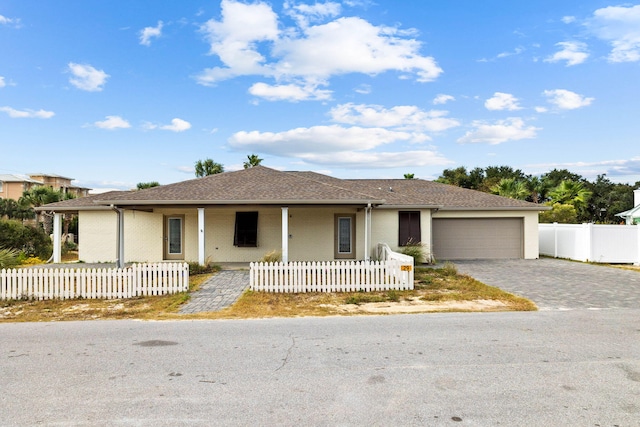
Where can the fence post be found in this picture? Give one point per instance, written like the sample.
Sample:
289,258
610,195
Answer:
555,240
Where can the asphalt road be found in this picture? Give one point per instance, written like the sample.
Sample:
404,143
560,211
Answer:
547,368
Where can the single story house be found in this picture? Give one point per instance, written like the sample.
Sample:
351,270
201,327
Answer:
240,216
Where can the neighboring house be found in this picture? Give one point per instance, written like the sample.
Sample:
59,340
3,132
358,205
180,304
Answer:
239,216
12,186
60,183
632,216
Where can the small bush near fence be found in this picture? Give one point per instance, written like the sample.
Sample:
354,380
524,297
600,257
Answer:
68,283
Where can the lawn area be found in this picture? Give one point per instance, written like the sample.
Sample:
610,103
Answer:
436,290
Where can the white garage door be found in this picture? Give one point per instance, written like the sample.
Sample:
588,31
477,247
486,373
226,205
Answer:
477,238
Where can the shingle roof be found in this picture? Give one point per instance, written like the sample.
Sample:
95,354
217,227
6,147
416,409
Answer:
262,185
418,192
81,203
254,185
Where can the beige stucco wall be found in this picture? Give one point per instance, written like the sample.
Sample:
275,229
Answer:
311,232
530,219
385,228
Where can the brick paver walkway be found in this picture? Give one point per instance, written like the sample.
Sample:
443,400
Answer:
555,284
220,291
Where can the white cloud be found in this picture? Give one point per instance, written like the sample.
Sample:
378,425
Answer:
566,100
10,21
363,89
147,33
337,145
177,125
541,109
248,41
2,82
402,117
511,129
442,99
86,77
112,123
289,92
325,139
568,19
502,101
620,26
27,114
572,52
303,14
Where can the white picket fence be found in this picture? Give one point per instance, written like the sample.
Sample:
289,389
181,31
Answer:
94,283
331,276
591,242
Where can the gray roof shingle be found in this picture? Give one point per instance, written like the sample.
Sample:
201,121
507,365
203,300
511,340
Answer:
262,185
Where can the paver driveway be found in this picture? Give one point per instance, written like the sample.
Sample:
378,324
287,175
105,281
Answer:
555,284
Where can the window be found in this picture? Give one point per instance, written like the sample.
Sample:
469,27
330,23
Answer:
344,237
409,229
246,233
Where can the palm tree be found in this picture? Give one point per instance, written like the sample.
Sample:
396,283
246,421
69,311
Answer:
571,193
252,160
409,176
208,167
512,188
39,196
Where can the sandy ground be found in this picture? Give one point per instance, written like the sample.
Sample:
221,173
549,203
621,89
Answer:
418,306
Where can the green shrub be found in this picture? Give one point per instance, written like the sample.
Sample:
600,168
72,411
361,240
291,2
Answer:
196,268
8,258
32,241
415,250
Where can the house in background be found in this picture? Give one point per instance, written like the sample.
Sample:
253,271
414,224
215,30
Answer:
60,183
632,216
12,186
240,216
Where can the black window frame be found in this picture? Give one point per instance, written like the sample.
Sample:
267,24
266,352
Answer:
409,229
246,230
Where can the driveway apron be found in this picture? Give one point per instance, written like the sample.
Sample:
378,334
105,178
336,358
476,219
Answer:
555,284
220,291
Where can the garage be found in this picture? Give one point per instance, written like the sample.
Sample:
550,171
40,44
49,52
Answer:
477,238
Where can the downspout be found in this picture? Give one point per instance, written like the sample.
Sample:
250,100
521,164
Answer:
367,232
119,237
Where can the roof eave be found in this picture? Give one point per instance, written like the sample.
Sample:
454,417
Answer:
237,202
496,208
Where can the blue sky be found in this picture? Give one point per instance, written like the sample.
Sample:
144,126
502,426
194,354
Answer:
113,93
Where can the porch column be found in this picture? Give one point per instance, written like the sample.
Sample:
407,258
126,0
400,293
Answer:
285,234
367,233
57,238
120,240
201,236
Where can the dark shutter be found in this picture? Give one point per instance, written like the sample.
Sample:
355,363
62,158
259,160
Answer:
409,229
246,232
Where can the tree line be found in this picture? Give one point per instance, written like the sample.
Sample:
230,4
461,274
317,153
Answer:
572,198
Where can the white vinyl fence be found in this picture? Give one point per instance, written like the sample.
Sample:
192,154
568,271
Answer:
332,276
94,283
591,242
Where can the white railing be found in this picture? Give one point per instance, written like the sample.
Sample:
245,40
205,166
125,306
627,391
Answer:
331,276
591,242
94,283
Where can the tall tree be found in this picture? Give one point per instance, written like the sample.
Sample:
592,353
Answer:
208,167
42,195
512,188
252,160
